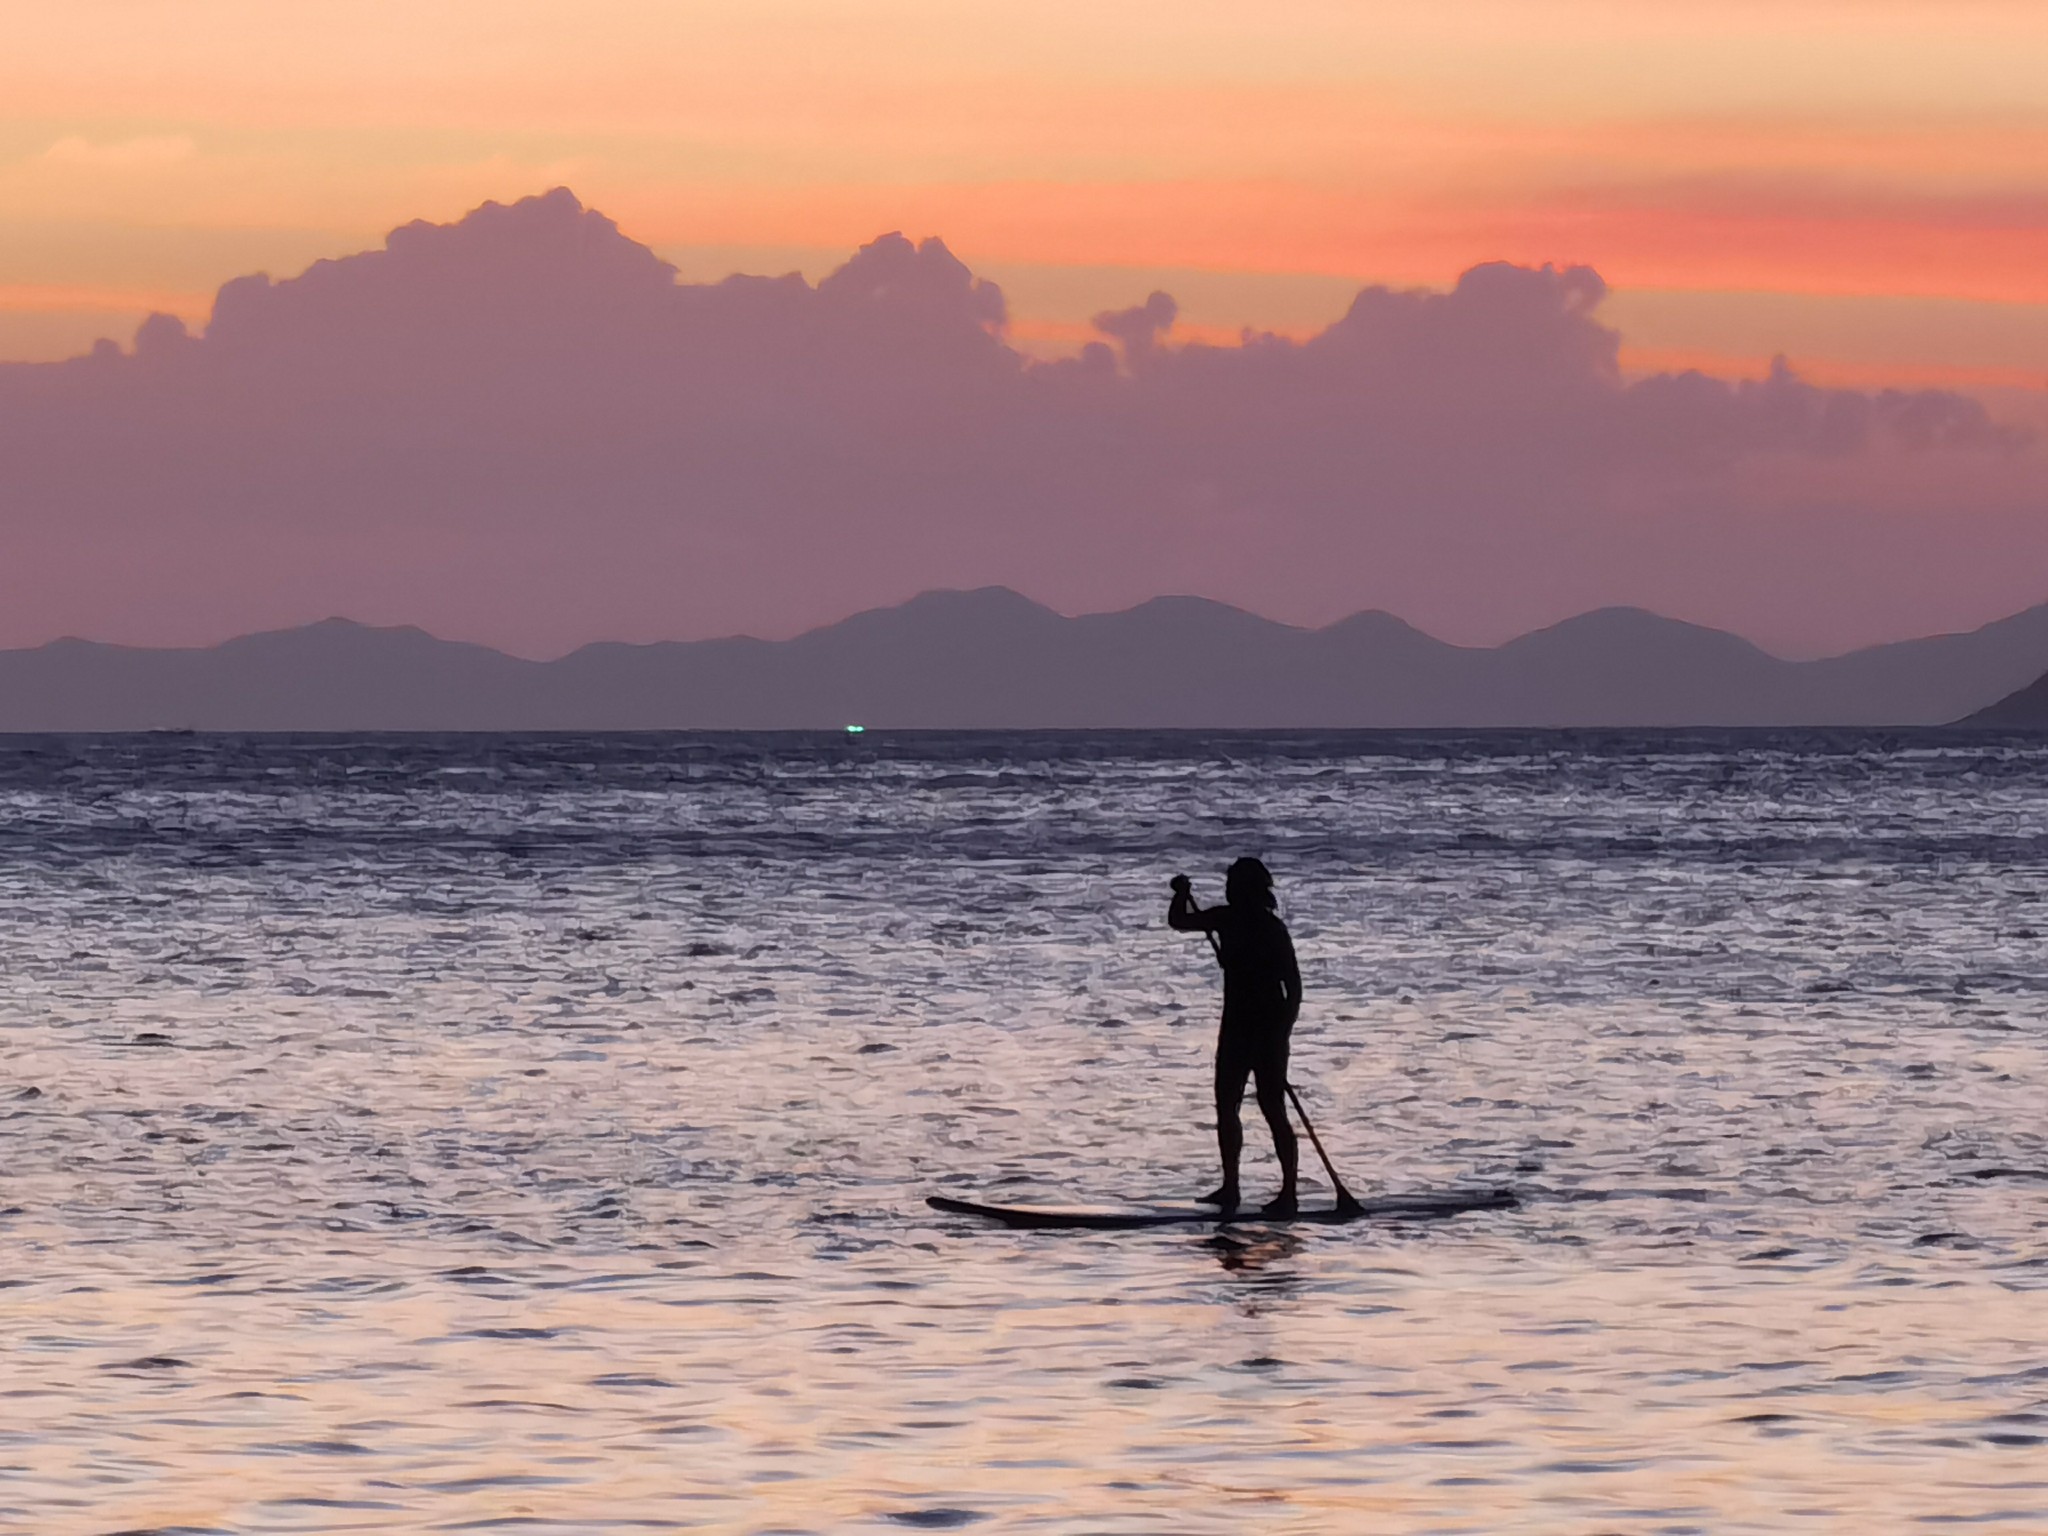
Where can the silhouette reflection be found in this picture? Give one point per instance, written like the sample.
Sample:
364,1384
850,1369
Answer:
1254,1257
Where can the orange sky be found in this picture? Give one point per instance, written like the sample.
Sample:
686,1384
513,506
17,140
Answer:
1861,183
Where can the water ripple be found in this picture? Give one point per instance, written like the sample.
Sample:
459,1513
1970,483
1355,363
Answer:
531,1134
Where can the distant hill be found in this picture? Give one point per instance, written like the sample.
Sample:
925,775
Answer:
990,658
2022,709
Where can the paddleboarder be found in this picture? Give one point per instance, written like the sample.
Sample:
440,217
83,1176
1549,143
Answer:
1261,998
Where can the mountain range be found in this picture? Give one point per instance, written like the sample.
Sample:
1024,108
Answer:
990,658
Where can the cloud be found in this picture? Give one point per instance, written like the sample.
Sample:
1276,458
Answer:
521,427
1137,330
124,154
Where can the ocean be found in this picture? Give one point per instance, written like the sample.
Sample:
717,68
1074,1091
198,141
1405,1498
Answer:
532,1134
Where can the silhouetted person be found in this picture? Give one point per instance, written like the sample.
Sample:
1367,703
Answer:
1261,997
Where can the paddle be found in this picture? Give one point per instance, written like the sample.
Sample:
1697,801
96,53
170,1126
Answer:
1347,1205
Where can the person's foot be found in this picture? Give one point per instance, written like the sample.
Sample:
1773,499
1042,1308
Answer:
1282,1204
1224,1197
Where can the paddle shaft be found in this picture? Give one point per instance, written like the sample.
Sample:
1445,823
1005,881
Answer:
1345,1200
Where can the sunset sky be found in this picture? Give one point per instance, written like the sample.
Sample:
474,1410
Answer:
1862,184
514,425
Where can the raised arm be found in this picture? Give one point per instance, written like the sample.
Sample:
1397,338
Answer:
1184,916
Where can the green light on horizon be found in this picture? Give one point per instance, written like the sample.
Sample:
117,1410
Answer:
855,730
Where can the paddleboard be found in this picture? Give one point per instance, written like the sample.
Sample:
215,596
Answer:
1118,1218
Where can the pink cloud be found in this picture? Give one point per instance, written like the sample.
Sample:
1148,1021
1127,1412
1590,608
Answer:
520,428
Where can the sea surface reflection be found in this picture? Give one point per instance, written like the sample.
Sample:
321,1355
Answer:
531,1134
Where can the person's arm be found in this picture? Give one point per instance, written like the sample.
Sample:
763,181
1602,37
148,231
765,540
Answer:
1290,976
1183,916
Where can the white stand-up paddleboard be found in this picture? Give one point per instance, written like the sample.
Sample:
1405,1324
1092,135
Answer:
1113,1218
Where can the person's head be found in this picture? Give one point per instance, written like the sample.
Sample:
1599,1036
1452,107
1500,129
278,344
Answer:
1248,883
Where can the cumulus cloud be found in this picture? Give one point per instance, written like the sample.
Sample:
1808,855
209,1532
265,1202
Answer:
1138,329
521,427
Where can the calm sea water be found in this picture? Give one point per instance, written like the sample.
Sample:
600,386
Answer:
532,1134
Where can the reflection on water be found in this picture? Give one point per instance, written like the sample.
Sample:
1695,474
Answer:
1262,1261
418,1135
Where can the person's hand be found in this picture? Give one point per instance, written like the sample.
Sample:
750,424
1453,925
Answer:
1180,885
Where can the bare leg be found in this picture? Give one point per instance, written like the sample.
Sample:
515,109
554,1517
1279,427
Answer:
1273,1105
1231,1072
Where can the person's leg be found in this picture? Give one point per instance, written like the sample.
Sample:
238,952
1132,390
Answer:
1233,1067
1272,1075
